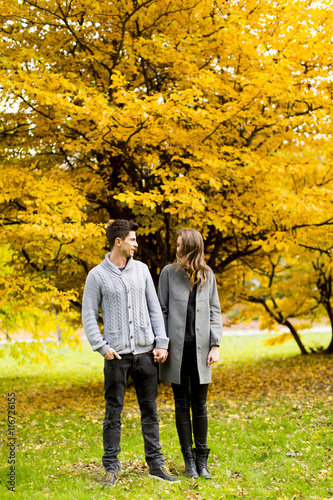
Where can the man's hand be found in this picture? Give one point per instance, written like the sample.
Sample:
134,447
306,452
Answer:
111,354
213,355
160,355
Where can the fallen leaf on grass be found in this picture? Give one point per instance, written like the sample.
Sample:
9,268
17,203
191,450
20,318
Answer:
242,492
234,474
194,496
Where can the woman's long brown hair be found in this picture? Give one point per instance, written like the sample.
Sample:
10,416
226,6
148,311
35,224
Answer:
190,256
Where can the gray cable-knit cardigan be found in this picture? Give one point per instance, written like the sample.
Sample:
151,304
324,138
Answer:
173,293
133,320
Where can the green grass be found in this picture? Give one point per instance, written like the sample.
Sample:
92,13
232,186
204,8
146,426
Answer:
270,428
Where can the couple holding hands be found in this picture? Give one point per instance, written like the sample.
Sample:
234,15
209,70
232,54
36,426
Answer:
174,336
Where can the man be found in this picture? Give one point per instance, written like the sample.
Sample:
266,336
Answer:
134,339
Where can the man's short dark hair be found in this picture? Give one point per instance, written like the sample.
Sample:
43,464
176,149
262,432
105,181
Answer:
119,228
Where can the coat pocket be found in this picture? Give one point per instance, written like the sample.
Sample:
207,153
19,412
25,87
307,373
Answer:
145,336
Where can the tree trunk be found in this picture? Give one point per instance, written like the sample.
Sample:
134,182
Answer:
327,305
59,336
296,337
329,349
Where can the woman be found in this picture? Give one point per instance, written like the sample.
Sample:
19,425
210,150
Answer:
191,308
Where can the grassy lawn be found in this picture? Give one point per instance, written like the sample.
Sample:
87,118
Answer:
270,428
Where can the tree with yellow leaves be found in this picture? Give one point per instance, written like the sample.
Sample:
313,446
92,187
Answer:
213,115
293,291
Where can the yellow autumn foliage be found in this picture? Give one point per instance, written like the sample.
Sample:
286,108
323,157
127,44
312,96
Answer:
214,115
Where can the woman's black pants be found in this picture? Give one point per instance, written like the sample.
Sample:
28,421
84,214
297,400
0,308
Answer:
191,395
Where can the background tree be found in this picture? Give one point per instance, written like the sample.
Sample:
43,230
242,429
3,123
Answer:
293,293
190,112
25,306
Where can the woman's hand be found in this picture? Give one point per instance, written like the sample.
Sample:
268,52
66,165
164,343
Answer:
213,355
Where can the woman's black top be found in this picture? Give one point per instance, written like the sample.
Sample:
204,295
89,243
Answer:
190,317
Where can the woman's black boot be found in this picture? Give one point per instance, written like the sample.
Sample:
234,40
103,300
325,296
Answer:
201,462
190,468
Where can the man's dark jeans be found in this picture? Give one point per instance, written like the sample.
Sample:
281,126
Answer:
144,375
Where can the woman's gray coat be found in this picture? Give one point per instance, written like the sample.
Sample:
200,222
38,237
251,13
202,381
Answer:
173,293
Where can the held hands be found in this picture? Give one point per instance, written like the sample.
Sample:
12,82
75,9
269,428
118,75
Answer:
213,355
160,355
111,354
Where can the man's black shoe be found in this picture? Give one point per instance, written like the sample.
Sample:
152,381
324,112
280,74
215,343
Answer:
162,474
109,479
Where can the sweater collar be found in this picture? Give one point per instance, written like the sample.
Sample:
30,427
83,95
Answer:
107,262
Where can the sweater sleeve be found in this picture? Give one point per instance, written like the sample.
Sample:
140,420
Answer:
90,304
216,325
155,313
